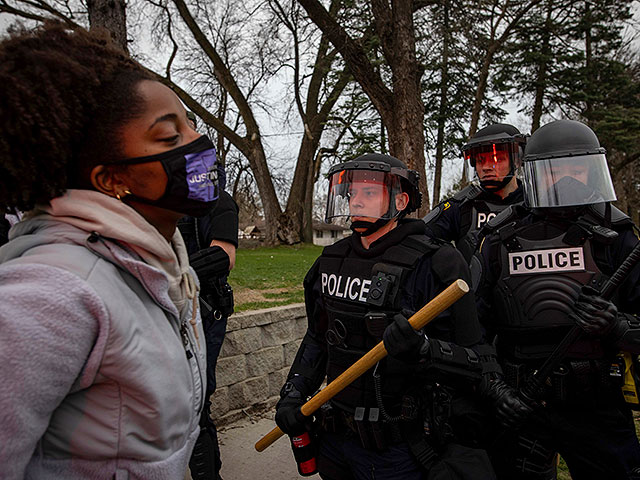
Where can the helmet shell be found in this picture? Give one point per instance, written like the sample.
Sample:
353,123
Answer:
562,138
565,166
378,169
498,134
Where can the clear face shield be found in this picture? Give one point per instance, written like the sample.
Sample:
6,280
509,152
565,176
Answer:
568,181
362,195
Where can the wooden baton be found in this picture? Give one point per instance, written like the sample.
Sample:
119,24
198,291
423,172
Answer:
421,318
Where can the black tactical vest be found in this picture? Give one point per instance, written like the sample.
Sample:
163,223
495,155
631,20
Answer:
475,212
350,291
539,281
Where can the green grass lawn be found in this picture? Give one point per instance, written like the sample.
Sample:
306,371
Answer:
271,276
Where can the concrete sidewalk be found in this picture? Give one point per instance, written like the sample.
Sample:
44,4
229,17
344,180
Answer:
241,461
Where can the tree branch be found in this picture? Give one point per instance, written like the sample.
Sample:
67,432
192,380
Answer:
352,53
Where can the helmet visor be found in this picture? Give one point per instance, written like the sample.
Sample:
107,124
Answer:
365,195
568,181
494,153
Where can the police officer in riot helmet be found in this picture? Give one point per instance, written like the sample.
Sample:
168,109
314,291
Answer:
539,274
361,290
495,152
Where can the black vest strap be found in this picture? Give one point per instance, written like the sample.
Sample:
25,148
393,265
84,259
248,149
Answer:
354,324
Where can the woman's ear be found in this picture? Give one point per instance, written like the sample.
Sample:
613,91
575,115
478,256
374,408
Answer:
106,181
402,200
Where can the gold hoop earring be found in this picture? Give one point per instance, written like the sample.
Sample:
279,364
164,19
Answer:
126,192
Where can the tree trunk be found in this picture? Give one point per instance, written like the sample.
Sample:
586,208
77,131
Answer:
307,218
299,200
444,81
406,127
401,108
276,225
541,77
588,52
493,44
110,15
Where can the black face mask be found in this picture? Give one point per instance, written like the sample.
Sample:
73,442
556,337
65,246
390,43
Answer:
192,173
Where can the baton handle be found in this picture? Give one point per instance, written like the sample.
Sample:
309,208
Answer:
422,317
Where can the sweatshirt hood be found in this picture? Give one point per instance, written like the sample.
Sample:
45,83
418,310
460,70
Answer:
114,231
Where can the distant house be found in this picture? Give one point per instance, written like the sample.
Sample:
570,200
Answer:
327,234
251,232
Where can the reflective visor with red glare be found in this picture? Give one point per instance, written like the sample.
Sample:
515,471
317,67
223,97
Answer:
491,154
340,182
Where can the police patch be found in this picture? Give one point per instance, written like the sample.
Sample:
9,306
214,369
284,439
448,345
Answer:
545,261
483,218
355,289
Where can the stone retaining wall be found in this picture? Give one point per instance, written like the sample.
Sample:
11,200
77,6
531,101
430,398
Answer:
256,355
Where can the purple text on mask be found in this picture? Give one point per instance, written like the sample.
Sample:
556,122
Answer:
202,175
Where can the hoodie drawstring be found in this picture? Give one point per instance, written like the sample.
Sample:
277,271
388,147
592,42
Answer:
192,293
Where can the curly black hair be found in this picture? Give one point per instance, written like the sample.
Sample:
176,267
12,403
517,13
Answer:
64,96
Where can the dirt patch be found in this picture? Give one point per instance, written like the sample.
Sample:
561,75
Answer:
247,295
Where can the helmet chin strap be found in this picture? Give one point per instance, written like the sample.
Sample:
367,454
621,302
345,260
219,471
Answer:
371,227
496,185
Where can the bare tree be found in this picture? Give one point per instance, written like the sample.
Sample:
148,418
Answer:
70,12
443,101
215,95
314,113
499,23
400,106
111,15
293,224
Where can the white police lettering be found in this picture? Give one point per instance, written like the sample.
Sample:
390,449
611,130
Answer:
483,218
544,261
212,175
341,287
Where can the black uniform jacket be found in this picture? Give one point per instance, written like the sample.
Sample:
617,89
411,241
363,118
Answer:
432,274
487,268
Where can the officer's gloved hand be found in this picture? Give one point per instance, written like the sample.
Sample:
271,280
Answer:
511,411
593,314
288,415
403,342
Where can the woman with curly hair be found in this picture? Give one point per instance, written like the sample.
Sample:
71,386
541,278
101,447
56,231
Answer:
101,344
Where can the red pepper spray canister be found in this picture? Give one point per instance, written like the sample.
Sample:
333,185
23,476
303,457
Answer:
304,453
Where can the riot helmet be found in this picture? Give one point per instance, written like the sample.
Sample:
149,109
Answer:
565,166
495,145
367,192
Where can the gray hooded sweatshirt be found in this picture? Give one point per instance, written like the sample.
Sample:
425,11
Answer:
100,376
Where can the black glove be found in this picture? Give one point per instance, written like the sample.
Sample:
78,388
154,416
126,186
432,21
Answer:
511,411
288,415
403,342
593,314
210,263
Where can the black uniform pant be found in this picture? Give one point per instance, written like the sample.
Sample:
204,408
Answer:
342,457
596,441
205,462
